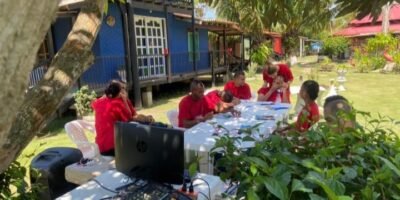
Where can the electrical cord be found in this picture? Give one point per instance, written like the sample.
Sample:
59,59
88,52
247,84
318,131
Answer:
204,195
104,187
209,188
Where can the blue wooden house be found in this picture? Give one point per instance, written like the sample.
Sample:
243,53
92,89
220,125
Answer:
148,43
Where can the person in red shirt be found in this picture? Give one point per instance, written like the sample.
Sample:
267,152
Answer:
238,87
309,115
112,107
271,71
220,101
271,93
193,108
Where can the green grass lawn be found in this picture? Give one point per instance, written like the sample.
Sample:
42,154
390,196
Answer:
372,92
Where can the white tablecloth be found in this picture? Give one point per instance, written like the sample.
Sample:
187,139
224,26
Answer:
202,137
112,179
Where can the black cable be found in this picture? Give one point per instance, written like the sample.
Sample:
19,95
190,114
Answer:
204,195
104,187
209,188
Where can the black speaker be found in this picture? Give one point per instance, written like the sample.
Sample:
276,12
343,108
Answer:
51,165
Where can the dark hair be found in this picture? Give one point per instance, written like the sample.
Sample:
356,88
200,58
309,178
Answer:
226,96
271,68
238,73
113,89
312,88
334,98
196,83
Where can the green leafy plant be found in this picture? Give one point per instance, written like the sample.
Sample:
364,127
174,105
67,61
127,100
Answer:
261,54
360,163
333,46
83,99
370,57
326,65
13,183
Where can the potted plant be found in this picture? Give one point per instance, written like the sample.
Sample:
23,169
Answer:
83,99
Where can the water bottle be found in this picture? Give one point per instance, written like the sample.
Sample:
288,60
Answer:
278,96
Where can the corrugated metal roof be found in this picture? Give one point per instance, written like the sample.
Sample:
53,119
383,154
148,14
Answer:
394,15
366,30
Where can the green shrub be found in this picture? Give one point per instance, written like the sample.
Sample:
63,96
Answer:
334,46
370,57
83,99
261,54
13,184
361,163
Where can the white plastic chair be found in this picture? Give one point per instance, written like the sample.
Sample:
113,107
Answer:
172,116
76,132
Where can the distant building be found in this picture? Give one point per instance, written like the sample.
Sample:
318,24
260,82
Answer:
360,30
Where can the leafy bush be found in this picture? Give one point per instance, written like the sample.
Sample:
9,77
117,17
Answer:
361,163
13,184
333,46
83,99
326,65
261,54
370,57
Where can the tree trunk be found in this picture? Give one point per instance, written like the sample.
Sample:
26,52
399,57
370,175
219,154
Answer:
385,18
24,25
43,100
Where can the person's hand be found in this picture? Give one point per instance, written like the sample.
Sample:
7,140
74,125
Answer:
285,85
235,101
208,116
150,119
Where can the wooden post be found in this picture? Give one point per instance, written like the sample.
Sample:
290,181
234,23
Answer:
168,56
135,69
193,39
212,69
128,60
385,18
242,53
224,41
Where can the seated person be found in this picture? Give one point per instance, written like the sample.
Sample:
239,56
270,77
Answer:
238,87
309,115
220,101
193,108
338,113
271,71
112,107
273,93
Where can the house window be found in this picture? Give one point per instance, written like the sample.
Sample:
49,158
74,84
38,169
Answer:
151,39
190,46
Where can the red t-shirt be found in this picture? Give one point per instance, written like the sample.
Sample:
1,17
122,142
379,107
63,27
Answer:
189,109
305,117
283,71
212,99
241,92
264,91
107,112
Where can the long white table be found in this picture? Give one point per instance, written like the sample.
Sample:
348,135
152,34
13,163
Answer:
202,137
112,179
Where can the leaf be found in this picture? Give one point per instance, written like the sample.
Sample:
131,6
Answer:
344,198
298,185
391,166
282,174
276,188
336,186
260,163
349,173
316,178
193,169
309,164
333,172
253,170
315,197
251,195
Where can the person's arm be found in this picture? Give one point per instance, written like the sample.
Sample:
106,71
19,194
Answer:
266,96
285,96
191,123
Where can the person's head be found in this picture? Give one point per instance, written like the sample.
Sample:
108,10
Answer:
337,111
239,78
309,90
113,90
226,96
272,69
197,89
